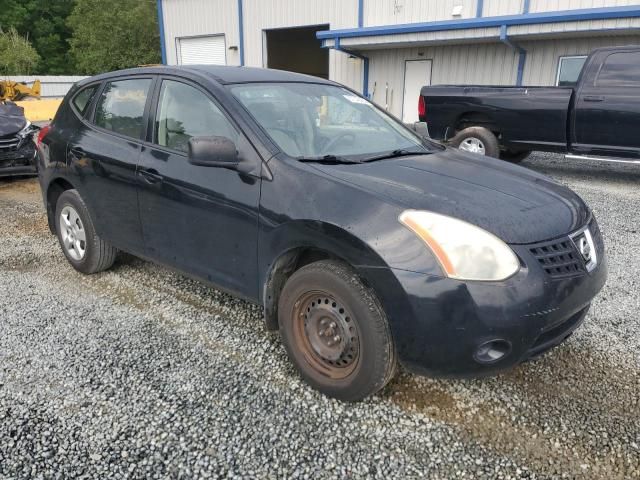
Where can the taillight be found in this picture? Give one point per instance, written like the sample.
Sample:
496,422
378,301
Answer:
422,108
42,133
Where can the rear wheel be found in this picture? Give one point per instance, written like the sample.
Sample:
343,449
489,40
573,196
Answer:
84,249
336,332
514,157
478,140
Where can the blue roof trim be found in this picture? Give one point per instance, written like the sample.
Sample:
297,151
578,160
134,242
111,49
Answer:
163,47
483,22
240,33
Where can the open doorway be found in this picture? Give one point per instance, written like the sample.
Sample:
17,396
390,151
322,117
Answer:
297,50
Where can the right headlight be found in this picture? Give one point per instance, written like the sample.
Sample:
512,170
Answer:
464,251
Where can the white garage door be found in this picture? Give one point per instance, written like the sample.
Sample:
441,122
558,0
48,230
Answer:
208,50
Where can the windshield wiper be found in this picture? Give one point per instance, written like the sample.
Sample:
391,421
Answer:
396,153
328,159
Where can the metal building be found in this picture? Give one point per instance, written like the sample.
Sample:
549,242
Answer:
388,49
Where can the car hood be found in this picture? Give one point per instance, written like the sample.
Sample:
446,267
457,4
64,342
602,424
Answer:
514,203
12,119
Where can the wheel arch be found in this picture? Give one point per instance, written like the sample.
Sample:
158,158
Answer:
310,242
475,119
56,187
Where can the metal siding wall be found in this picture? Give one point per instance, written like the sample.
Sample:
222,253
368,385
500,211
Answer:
482,64
551,5
52,86
542,56
403,40
260,15
387,12
584,26
188,18
494,8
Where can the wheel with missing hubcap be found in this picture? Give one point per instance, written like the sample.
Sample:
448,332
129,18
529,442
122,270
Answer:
326,334
335,331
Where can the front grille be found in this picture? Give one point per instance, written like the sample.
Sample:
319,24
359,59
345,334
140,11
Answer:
9,143
558,258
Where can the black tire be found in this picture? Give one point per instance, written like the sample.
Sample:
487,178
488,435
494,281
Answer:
514,157
345,299
98,255
484,135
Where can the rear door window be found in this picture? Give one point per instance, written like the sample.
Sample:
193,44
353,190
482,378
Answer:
620,70
83,98
120,107
185,112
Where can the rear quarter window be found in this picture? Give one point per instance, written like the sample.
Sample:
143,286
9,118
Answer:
83,98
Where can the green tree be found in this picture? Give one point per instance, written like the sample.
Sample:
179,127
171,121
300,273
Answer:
111,35
17,55
44,22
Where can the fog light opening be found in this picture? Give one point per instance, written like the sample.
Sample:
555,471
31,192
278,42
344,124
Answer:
492,351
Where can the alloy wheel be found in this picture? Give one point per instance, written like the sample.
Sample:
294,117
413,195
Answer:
473,145
72,232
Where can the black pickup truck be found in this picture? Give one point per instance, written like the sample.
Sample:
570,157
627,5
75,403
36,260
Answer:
598,118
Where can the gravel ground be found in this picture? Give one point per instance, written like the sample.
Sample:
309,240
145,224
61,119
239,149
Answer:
141,373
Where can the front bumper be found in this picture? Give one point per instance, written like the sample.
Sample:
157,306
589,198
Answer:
19,161
438,324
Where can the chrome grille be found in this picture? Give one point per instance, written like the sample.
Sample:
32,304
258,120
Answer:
9,143
558,258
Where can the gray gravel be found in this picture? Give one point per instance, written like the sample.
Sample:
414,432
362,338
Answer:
141,373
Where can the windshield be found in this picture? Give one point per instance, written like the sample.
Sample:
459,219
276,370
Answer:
308,120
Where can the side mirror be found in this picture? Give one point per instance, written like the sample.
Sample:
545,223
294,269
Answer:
213,152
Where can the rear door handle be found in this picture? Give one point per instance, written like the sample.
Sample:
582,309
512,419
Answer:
151,176
593,98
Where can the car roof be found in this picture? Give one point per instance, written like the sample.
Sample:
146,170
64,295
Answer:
221,74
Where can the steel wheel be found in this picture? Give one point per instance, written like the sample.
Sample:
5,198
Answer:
473,145
327,334
74,237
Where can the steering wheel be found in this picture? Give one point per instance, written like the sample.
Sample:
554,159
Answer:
333,142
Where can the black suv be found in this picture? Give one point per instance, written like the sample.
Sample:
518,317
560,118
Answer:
367,245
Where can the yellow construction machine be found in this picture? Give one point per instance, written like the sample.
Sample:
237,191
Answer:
15,91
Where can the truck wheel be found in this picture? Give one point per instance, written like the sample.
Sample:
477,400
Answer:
335,331
477,140
84,249
514,157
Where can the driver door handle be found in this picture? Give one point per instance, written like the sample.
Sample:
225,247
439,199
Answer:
593,98
151,176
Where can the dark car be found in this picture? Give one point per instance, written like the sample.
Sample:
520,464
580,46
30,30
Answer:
17,148
367,245
598,117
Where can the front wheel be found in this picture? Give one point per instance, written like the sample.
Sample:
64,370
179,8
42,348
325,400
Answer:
84,249
335,331
478,140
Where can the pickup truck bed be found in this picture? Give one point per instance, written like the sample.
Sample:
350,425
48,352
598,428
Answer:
599,116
